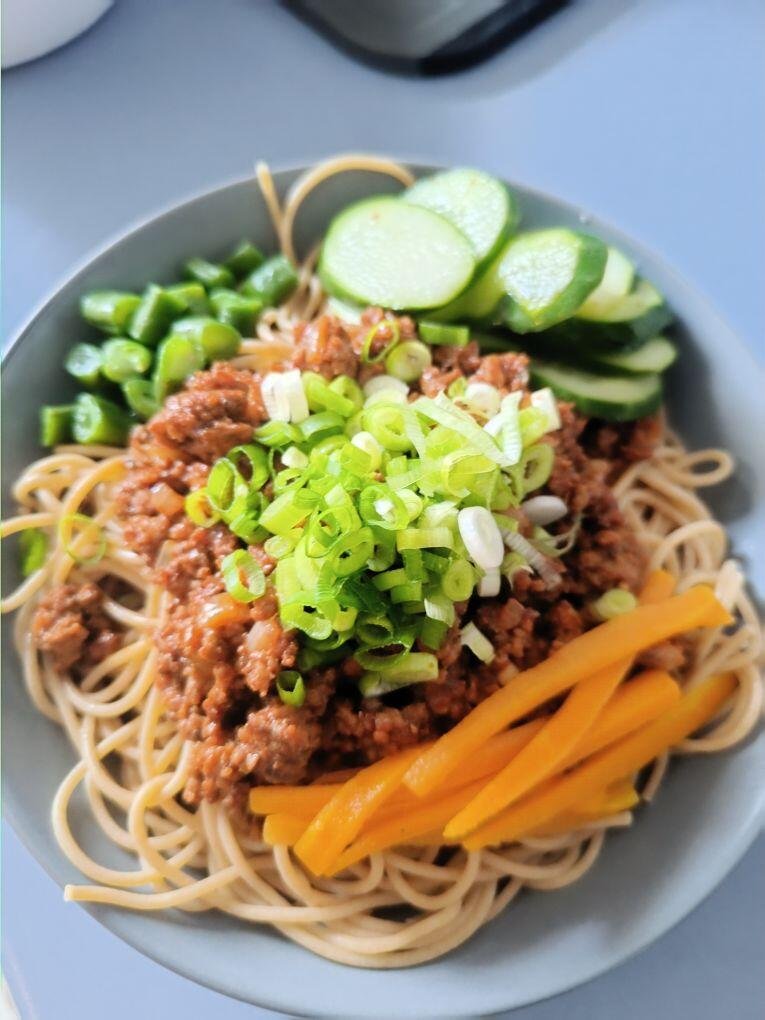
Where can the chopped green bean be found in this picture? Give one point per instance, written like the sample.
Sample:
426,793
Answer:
139,396
56,424
216,340
244,258
34,546
192,295
109,310
152,318
124,359
209,274
178,357
84,362
238,310
99,421
443,334
274,281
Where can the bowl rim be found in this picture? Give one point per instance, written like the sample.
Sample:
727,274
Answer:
736,845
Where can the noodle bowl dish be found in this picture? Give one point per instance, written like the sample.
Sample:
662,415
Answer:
378,592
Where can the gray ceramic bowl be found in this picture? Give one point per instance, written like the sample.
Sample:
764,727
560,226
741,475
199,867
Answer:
647,878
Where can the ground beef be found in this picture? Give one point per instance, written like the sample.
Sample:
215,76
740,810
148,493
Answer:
324,346
72,627
219,659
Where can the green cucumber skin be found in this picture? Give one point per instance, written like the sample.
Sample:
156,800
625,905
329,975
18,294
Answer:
660,353
336,288
479,301
647,399
591,264
607,337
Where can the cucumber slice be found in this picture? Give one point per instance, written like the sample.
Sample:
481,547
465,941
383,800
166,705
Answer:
480,301
639,302
618,277
479,206
548,274
344,311
655,355
615,397
385,252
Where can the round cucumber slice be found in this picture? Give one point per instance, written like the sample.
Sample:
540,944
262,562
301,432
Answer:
618,277
480,301
644,298
615,397
547,275
655,355
382,251
478,205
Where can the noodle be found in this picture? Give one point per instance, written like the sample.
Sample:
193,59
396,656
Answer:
131,771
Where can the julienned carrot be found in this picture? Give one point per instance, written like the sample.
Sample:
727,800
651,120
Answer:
307,801
621,797
638,702
654,690
621,759
593,651
293,800
341,818
398,830
565,728
283,830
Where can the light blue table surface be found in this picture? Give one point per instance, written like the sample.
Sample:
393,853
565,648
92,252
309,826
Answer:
647,112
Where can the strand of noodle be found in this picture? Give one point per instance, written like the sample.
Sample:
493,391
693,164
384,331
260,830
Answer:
180,898
655,777
92,450
24,521
436,901
322,172
26,590
126,656
129,700
581,864
165,841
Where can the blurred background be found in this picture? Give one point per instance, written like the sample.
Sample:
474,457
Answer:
647,112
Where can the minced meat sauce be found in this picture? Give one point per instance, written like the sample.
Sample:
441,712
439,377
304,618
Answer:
218,659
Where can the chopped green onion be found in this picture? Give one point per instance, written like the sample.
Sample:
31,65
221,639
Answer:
472,638
614,603
198,509
321,396
319,426
388,343
432,633
284,396
90,530
458,580
348,388
380,506
386,422
226,489
424,538
34,549
443,335
439,607
534,469
408,361
302,611
251,463
278,434
481,399
416,667
446,413
243,576
291,687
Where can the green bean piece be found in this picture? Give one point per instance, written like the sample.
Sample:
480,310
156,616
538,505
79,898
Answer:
238,310
109,310
152,318
139,397
99,421
84,362
244,258
56,424
124,359
178,357
216,340
34,547
193,296
209,274
274,281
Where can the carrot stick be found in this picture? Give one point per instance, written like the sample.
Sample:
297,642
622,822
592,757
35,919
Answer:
593,651
565,728
619,797
622,758
642,700
291,800
342,817
283,829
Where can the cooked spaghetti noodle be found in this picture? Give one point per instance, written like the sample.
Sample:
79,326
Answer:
132,763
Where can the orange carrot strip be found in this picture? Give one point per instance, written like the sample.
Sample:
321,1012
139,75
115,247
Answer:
618,797
565,728
291,800
642,700
341,818
591,652
283,830
399,829
622,758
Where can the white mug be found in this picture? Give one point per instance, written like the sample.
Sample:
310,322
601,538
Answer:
34,27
